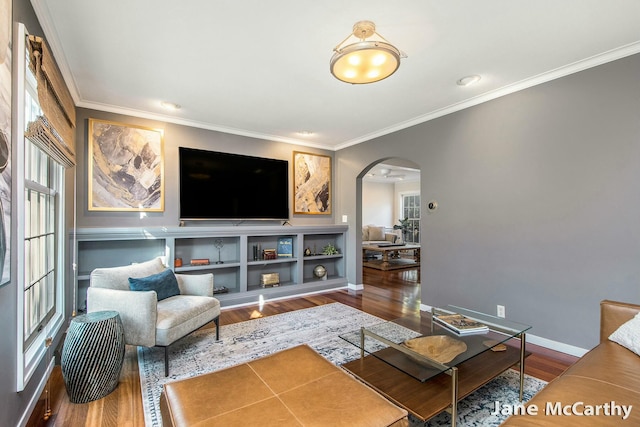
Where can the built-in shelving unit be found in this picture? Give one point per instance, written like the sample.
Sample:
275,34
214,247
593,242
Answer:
234,254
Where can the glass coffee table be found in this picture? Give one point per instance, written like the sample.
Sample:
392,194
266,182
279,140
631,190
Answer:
426,367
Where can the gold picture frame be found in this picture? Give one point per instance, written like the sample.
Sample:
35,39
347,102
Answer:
126,167
311,184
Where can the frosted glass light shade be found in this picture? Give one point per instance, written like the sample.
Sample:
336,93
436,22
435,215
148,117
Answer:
365,62
359,61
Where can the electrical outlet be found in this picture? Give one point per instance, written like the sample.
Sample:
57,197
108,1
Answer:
500,311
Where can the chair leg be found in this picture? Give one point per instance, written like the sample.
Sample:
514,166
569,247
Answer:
166,348
166,361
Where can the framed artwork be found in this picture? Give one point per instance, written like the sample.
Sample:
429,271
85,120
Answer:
311,184
5,141
126,167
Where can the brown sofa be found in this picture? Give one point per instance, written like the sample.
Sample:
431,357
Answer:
294,387
608,376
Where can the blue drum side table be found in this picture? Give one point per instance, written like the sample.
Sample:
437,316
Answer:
92,355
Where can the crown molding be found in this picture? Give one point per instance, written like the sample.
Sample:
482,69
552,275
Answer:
44,17
52,39
594,61
194,124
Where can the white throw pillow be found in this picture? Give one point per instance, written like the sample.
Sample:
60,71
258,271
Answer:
628,335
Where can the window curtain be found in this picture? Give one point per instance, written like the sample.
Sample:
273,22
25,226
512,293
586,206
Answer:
54,131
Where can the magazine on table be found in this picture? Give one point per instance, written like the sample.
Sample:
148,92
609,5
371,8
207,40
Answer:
461,324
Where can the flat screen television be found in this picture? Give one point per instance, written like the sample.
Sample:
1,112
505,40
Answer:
215,185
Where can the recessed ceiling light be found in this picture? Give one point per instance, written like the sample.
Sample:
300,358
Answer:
468,80
305,133
170,105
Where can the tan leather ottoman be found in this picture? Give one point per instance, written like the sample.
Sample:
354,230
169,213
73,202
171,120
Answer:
294,387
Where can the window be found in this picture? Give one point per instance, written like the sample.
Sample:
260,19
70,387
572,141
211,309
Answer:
40,227
41,188
411,212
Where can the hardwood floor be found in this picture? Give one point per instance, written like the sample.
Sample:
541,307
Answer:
388,295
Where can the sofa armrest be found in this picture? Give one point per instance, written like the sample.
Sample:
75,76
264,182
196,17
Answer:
137,311
613,314
390,237
196,284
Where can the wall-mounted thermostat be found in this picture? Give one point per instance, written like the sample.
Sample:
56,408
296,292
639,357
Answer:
432,206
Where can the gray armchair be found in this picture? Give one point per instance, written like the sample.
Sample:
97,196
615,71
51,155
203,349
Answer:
148,322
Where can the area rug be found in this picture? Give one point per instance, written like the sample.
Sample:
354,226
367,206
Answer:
320,327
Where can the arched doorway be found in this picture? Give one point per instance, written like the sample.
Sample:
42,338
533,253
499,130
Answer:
390,204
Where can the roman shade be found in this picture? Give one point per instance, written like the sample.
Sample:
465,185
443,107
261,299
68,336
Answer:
54,131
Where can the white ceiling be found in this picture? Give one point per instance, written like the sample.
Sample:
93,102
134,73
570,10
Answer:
387,173
261,68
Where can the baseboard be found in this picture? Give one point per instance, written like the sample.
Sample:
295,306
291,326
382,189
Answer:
36,395
353,287
556,345
226,307
542,342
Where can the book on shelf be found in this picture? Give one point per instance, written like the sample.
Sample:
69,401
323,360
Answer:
461,324
285,247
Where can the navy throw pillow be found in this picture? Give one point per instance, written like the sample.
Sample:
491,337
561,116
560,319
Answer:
165,284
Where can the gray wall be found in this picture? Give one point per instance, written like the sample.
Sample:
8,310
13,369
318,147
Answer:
538,201
180,136
174,136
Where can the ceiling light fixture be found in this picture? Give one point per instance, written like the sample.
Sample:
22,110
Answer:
389,173
468,80
363,61
170,105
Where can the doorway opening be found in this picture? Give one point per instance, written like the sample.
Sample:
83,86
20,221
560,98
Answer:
390,213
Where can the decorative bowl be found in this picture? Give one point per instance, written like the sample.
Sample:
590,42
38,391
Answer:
441,348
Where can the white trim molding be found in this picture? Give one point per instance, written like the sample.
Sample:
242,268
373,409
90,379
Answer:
541,341
24,419
266,300
594,61
44,17
353,287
